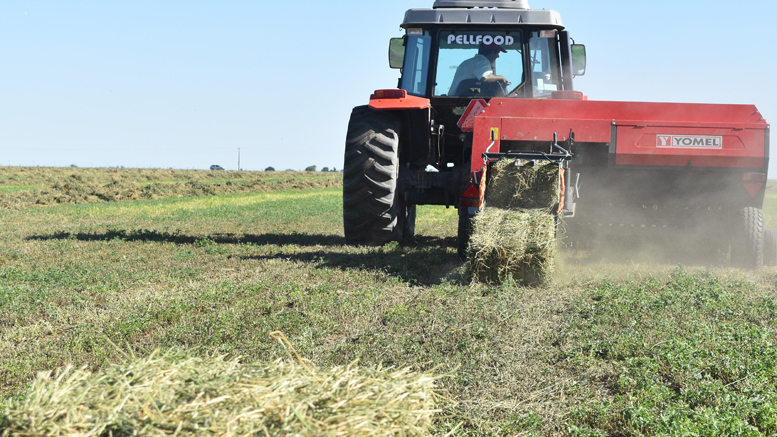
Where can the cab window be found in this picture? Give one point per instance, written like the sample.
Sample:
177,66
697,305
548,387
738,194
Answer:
463,62
543,59
416,68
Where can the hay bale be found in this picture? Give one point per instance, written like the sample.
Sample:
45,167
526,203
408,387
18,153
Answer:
516,244
516,234
519,187
178,394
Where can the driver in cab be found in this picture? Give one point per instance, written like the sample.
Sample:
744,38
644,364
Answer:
481,67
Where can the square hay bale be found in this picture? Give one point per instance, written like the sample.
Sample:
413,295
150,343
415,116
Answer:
516,234
515,186
175,394
517,244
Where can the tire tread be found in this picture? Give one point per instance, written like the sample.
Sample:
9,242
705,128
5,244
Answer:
748,246
370,176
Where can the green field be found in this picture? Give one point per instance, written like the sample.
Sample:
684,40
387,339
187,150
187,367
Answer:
608,349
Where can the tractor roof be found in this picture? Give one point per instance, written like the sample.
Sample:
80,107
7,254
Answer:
490,12
507,4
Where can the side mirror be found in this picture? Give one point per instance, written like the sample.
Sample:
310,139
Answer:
578,59
396,52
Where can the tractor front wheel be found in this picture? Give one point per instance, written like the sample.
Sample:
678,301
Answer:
374,211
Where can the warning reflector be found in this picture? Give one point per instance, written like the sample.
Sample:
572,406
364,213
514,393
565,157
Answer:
753,189
467,120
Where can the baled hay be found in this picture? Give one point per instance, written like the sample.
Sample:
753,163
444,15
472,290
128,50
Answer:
516,234
522,187
176,394
517,244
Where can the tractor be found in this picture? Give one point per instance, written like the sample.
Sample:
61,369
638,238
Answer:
482,80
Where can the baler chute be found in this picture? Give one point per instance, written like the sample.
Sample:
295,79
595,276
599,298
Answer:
514,231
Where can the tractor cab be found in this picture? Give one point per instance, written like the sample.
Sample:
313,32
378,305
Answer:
481,49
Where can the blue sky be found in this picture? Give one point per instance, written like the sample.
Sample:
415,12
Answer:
186,83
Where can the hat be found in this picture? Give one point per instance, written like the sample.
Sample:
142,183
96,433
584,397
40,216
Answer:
492,46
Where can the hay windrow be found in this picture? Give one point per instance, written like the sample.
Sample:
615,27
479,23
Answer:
65,186
175,393
515,236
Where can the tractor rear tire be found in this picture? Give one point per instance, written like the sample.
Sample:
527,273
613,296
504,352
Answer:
770,247
747,249
374,212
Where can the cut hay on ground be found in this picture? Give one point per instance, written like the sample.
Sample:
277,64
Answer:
176,394
73,190
515,236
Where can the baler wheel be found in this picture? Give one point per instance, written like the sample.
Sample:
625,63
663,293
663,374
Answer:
373,208
747,249
770,247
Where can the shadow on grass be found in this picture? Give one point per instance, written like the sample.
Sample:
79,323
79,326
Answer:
179,238
422,261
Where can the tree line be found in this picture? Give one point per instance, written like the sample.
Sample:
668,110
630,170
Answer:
308,168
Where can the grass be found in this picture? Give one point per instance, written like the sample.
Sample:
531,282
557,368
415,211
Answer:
18,188
615,349
693,355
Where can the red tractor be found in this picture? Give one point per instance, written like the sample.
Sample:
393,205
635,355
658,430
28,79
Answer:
487,79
